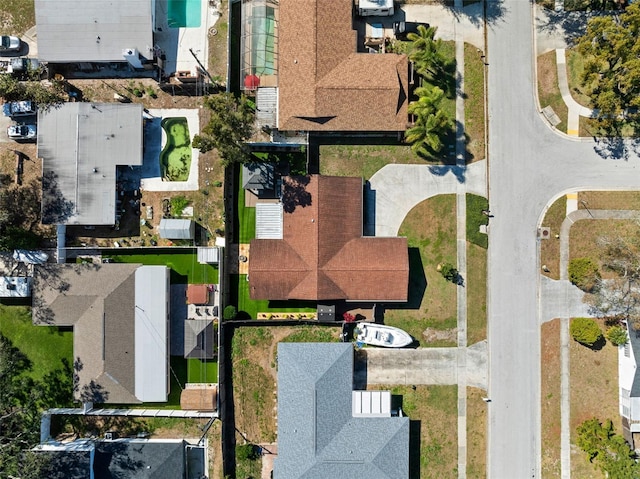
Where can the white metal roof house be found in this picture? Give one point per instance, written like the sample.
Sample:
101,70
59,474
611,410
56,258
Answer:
171,228
80,145
629,384
120,318
325,429
75,31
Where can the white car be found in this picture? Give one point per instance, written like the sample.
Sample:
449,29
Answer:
9,44
22,132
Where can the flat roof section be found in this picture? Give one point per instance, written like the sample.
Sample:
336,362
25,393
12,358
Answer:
80,145
72,31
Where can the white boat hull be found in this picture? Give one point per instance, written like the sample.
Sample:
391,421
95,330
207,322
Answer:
383,336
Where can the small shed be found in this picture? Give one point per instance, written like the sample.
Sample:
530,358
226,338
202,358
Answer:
177,228
199,339
197,294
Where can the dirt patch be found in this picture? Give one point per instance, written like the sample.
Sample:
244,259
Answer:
550,248
550,394
431,334
476,434
594,393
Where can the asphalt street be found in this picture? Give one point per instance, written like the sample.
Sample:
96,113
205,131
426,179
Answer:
529,167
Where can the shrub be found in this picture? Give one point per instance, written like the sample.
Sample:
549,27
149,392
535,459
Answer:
178,203
348,318
617,335
230,312
585,330
449,272
246,452
217,184
584,273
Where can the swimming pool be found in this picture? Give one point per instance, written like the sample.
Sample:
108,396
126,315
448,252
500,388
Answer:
175,158
183,13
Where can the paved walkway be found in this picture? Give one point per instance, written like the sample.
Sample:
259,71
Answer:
561,299
576,110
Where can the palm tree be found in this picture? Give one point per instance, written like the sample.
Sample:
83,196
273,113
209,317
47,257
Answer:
429,99
425,51
425,135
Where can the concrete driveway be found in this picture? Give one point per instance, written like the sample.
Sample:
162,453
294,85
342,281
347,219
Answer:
421,366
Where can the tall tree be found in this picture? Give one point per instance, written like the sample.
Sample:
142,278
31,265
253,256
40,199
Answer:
426,52
612,68
230,126
426,134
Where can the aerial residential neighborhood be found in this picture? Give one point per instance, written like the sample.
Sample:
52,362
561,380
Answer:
319,239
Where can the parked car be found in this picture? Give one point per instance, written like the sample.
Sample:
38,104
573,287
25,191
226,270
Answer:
9,44
16,109
402,29
22,132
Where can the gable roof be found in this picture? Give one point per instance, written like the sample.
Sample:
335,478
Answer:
80,145
112,320
198,338
323,84
119,458
317,435
81,31
323,255
174,228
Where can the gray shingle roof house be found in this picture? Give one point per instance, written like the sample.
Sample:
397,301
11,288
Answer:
120,319
199,339
122,458
71,31
319,434
80,145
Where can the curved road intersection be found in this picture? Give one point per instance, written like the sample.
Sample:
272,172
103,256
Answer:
529,166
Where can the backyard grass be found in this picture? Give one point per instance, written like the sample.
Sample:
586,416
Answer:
202,371
313,334
550,398
430,228
550,248
240,288
594,393
184,266
474,102
476,434
246,227
548,90
609,200
19,16
475,218
433,411
45,346
363,160
575,67
476,284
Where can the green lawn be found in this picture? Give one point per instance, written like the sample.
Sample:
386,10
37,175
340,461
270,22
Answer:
184,266
246,218
45,346
474,102
430,228
240,287
202,370
475,218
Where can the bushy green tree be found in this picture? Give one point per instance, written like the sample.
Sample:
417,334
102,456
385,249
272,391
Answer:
586,331
607,450
230,312
584,273
449,272
612,69
230,126
617,335
426,52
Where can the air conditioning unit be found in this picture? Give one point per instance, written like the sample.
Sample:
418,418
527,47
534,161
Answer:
110,436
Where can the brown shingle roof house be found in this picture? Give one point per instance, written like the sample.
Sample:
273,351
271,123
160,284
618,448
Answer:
323,254
323,84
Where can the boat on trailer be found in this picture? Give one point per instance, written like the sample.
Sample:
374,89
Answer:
381,335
